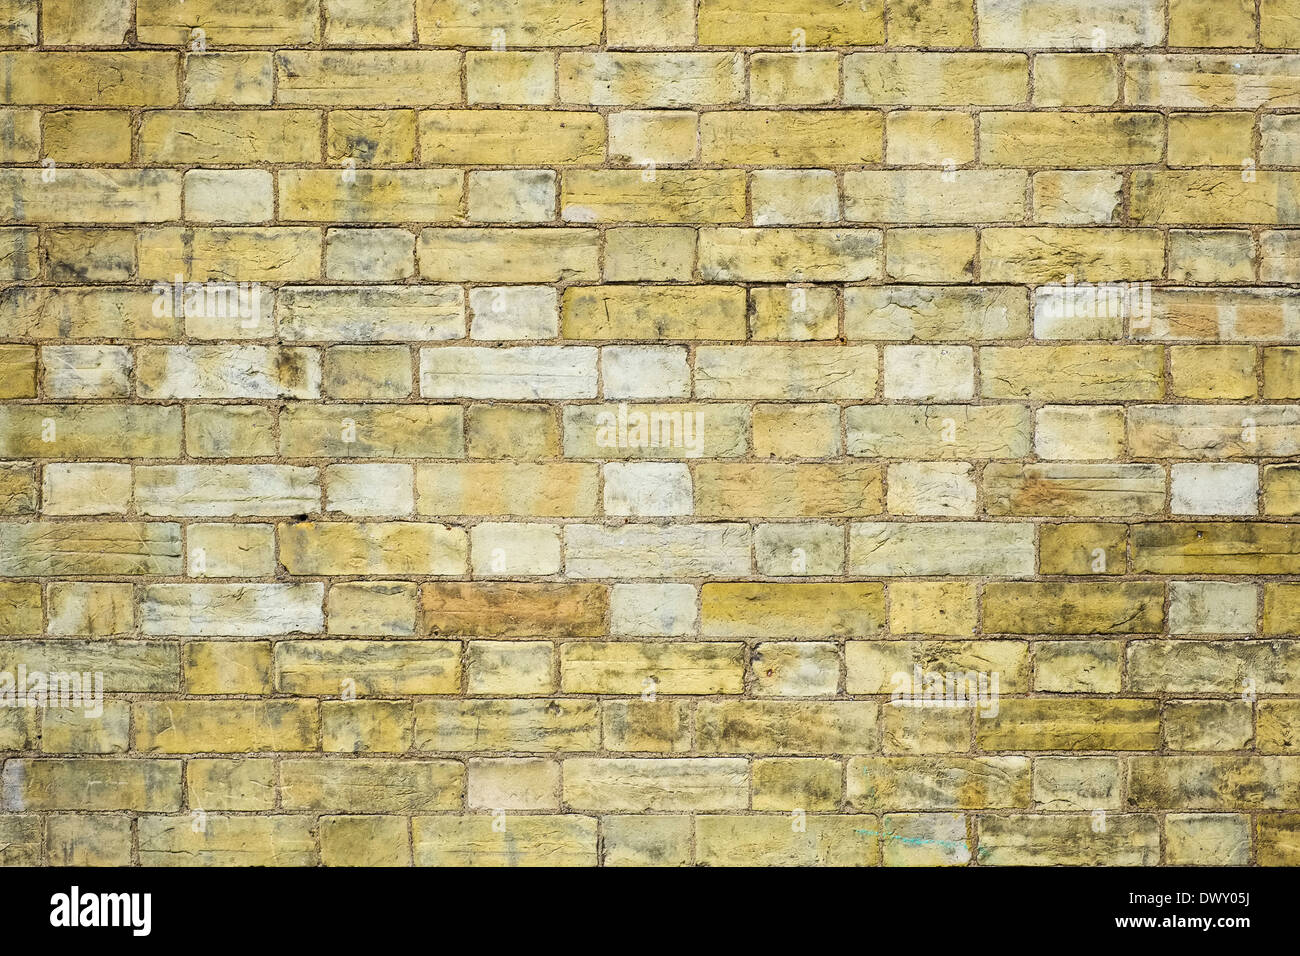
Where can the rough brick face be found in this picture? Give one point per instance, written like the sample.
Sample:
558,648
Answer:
649,432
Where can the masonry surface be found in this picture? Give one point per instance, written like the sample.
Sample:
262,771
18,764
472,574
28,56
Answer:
649,432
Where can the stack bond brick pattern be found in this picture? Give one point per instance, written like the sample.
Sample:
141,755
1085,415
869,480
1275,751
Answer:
650,431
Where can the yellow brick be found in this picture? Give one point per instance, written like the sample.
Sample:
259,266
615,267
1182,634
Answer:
772,841
371,137
797,783
793,79
921,196
524,22
357,372
231,783
794,313
553,840
725,490
623,667
651,79
1049,255
792,610
818,22
784,255
930,138
99,195
796,431
88,136
536,610
237,726
671,196
371,785
319,195
1281,485
1217,255
509,255
1070,139
1281,372
513,488
632,840
74,783
791,138
1211,139
512,137
964,783
1075,79
936,79
1082,549
216,136
360,22
371,431
367,668
227,841
1279,23
510,77
66,22
932,607
1202,23
365,841
255,255
1073,608
18,368
930,255
649,312
89,840
21,135
1213,371
1211,197
1073,373
364,78
646,137
638,785
1240,547
933,23
512,431
228,667
510,667
649,253
372,548
646,726
118,78
257,23
528,726
367,726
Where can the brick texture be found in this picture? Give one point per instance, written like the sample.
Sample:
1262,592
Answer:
602,432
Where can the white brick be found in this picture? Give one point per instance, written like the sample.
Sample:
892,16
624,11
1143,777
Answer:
653,610
1212,607
645,371
93,488
648,489
1215,488
784,197
943,373
931,488
505,549
370,490
369,255
562,371
229,195
86,371
506,313
651,551
512,195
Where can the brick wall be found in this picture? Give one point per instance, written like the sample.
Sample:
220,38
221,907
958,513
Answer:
637,430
